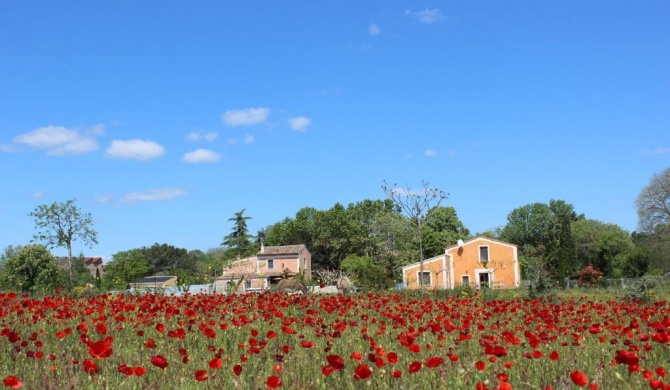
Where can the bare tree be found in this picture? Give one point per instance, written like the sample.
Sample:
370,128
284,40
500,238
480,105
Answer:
653,203
417,206
60,224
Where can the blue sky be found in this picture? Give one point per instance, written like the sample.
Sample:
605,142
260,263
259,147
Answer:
165,118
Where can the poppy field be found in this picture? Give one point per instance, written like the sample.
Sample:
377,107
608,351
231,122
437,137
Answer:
376,341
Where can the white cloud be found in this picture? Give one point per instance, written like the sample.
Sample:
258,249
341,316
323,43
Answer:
659,151
7,148
134,149
300,123
430,153
153,195
427,16
201,156
104,198
249,139
201,135
38,195
60,141
374,30
245,117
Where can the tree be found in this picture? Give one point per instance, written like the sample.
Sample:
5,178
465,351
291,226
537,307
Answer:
653,209
240,239
417,207
561,246
527,225
444,228
126,267
61,224
605,246
653,203
32,268
163,258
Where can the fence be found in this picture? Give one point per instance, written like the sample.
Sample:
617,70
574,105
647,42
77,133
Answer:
609,283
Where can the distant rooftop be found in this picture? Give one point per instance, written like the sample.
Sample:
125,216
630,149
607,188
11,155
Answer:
281,250
155,279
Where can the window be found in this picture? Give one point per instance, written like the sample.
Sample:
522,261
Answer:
247,285
271,263
424,279
465,280
483,254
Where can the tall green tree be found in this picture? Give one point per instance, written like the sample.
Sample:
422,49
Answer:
443,229
605,246
62,224
528,225
31,269
125,267
163,258
562,251
239,240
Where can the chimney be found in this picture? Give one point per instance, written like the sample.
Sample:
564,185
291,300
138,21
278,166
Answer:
262,246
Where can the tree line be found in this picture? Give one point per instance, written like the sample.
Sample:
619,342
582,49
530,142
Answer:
371,240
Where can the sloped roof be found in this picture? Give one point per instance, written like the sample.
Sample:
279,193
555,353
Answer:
478,238
282,250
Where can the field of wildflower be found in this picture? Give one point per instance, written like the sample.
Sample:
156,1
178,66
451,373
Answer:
376,341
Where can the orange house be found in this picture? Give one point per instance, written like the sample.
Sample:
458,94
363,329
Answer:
479,262
267,268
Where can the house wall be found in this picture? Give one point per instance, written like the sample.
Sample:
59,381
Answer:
294,263
436,267
502,260
241,267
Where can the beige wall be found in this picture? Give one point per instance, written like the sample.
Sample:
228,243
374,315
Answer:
502,261
437,269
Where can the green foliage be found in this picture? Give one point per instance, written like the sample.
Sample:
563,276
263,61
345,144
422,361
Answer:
239,240
646,288
126,267
441,230
605,246
367,275
31,268
98,279
61,224
163,258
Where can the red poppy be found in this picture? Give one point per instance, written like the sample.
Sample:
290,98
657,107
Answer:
101,329
101,349
480,365
237,369
139,371
90,367
201,375
12,381
307,344
392,358
396,374
660,371
414,367
335,361
160,327
159,361
326,370
504,386
273,382
554,355
125,370
356,356
481,386
271,334
362,372
415,348
433,362
579,378
215,363
626,357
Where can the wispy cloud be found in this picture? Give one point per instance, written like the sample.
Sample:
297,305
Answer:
201,135
59,140
300,123
427,16
104,198
249,139
134,149
201,156
7,148
245,117
657,151
430,153
37,195
162,194
374,30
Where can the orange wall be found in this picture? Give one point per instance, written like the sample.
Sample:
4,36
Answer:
437,273
501,260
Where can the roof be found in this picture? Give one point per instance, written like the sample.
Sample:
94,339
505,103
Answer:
155,279
282,250
478,238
